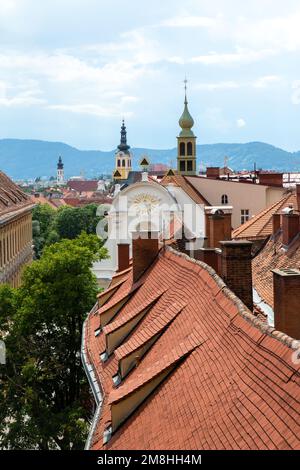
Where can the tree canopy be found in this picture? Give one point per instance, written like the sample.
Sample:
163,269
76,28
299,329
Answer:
44,394
50,225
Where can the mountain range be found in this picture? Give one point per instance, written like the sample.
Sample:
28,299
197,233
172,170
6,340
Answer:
25,159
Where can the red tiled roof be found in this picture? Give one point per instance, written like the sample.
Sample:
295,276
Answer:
260,226
183,182
273,256
12,198
238,390
83,185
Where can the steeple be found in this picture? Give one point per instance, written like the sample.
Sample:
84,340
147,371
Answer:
60,165
123,142
60,172
186,156
186,121
123,157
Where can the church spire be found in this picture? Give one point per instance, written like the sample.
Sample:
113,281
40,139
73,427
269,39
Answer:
186,142
123,142
186,121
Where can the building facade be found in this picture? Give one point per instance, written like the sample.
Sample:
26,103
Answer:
15,231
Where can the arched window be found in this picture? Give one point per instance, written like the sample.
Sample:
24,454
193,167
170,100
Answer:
182,149
189,148
119,162
123,162
224,199
189,165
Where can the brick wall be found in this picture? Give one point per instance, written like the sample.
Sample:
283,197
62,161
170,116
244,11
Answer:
290,227
286,301
123,256
236,269
144,250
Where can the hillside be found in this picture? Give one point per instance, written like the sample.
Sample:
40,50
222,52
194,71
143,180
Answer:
32,158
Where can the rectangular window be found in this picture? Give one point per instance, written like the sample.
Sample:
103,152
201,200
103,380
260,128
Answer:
245,215
189,165
182,165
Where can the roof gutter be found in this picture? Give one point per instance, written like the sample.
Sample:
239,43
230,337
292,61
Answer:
98,395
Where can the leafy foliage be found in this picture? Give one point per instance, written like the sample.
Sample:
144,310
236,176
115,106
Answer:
44,395
50,226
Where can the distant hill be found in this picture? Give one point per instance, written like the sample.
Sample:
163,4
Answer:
32,158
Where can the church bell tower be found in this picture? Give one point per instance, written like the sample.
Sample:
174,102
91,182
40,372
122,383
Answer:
123,157
186,143
60,177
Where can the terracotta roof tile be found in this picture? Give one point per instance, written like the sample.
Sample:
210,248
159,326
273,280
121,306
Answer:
238,390
260,226
12,199
273,256
189,189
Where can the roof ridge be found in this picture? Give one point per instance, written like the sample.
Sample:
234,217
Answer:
291,343
239,230
196,190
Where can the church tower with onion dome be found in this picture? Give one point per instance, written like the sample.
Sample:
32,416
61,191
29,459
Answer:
123,157
186,143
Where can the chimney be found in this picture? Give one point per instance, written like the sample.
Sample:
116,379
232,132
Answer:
290,225
298,196
145,248
208,256
219,228
123,256
271,179
286,284
236,269
213,172
276,223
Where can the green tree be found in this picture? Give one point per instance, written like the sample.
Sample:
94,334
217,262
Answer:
43,217
70,222
44,394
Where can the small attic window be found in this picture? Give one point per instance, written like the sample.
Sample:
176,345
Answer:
116,379
107,435
97,332
224,199
104,356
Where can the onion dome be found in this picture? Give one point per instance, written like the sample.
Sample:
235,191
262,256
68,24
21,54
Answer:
186,121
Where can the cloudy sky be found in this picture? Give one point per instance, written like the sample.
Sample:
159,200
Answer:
71,69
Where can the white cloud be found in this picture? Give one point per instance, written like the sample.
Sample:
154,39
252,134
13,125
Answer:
190,22
279,32
239,56
25,94
295,98
240,122
217,86
264,82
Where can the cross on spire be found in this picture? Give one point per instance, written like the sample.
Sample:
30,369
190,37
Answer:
185,87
